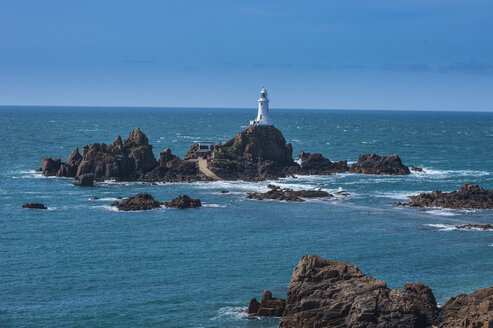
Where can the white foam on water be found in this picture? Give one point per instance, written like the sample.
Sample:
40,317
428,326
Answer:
231,312
442,227
490,245
403,195
442,212
213,205
104,199
441,174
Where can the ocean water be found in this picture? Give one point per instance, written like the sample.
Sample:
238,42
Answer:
82,264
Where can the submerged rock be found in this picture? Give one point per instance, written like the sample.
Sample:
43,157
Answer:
468,311
376,164
484,227
289,195
35,206
268,306
324,293
139,202
468,196
317,164
183,202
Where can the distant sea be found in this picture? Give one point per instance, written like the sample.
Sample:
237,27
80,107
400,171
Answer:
83,264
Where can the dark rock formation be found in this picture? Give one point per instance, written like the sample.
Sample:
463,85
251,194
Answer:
268,306
257,153
484,227
69,168
50,166
224,192
182,202
171,168
468,311
277,193
468,196
85,180
416,169
324,293
35,206
376,164
139,202
317,164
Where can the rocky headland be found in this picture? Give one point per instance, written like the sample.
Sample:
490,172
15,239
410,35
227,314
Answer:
255,154
276,193
325,293
469,196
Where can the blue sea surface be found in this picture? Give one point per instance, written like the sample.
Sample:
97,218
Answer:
83,264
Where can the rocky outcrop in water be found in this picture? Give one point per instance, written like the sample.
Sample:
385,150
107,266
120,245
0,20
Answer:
35,206
50,166
416,169
85,180
289,195
468,196
317,164
182,202
268,306
69,168
324,293
376,164
468,311
171,168
482,227
139,202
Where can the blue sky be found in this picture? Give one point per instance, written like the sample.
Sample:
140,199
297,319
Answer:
421,55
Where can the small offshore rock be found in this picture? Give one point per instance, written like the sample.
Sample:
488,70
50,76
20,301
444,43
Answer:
39,169
317,164
483,227
416,169
342,193
377,164
95,198
224,191
289,195
468,196
35,206
268,306
85,180
139,202
50,166
183,202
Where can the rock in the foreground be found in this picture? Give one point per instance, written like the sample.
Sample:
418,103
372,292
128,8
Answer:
268,306
182,202
289,195
468,311
376,164
324,293
139,202
35,206
468,196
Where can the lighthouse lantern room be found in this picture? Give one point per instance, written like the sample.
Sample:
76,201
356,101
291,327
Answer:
263,117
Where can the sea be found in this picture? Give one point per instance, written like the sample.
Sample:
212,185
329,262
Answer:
81,263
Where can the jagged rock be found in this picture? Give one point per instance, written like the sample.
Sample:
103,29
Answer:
468,196
468,311
376,164
324,293
35,206
139,202
85,180
317,164
268,306
289,195
69,168
50,166
483,227
416,169
182,202
171,168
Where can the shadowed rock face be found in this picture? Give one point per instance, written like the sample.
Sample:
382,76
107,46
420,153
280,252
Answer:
317,164
268,306
324,293
35,206
468,196
468,311
139,202
50,166
376,164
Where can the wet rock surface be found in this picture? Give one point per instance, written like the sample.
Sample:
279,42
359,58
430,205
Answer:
376,164
268,306
468,196
324,293
289,195
468,311
182,202
139,202
35,206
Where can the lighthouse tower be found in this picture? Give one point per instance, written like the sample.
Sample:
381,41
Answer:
263,117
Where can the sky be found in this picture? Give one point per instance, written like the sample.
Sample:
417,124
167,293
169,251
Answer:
354,54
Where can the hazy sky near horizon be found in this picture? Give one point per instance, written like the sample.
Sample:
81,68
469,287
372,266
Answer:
360,54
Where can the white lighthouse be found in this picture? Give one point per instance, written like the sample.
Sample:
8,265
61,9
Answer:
263,117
